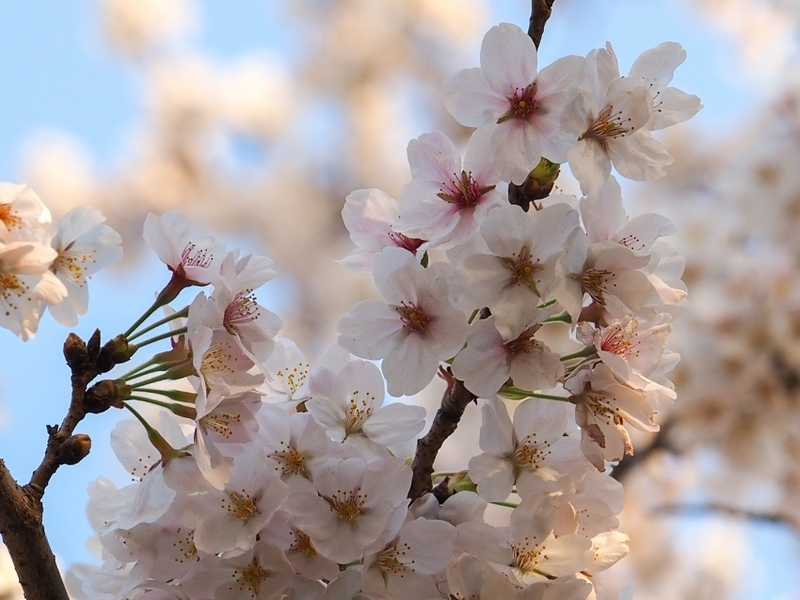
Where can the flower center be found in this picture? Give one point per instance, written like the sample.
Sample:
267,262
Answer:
593,282
527,555
240,505
358,411
463,190
347,506
405,242
523,269
220,423
243,309
529,453
524,343
10,218
522,104
302,543
291,461
609,124
251,578
414,318
618,338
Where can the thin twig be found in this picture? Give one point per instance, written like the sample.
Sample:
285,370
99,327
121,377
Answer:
540,12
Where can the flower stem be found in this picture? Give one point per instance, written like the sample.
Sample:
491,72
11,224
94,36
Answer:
163,336
177,315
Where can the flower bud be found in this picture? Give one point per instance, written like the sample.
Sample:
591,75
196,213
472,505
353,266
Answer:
114,352
75,353
74,449
538,185
103,395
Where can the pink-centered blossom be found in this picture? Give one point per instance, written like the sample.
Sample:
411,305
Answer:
413,329
520,106
371,217
445,201
520,273
491,358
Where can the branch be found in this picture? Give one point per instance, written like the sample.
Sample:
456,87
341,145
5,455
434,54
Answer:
540,12
23,534
455,401
21,507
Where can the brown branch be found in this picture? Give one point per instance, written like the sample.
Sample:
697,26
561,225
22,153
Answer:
21,507
455,401
23,534
540,12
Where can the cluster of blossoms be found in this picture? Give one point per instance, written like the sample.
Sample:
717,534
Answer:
262,477
45,266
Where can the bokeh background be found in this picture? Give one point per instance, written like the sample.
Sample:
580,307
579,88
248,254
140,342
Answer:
257,118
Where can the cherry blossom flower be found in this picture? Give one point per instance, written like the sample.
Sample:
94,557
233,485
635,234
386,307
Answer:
602,404
403,567
84,246
353,504
614,115
232,518
522,108
520,273
192,262
491,358
23,216
253,326
295,444
371,217
534,453
25,284
537,546
468,577
445,201
413,330
349,405
261,573
287,374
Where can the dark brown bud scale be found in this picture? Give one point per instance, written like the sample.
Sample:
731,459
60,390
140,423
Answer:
74,449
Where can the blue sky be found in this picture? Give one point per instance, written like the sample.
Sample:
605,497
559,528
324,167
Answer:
58,75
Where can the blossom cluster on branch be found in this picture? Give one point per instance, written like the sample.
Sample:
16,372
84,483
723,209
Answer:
262,476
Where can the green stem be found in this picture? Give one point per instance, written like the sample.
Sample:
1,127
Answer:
177,409
163,336
187,397
178,315
153,308
562,317
506,504
137,371
549,397
585,353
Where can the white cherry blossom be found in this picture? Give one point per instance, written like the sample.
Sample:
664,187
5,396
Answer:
414,329
519,105
84,246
